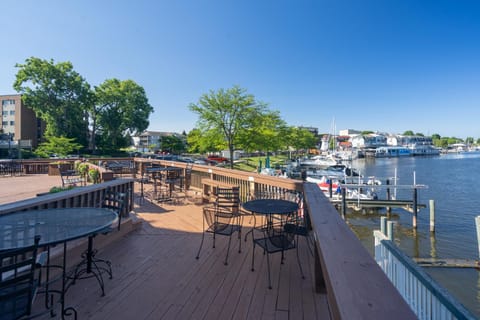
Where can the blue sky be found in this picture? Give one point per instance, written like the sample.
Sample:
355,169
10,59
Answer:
386,65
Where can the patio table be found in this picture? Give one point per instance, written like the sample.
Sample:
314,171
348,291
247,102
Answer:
55,226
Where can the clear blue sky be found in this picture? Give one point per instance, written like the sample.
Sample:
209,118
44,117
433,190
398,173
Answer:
386,65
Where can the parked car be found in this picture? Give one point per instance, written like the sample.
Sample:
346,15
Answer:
206,162
218,159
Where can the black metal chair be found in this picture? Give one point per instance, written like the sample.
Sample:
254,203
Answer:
91,265
18,283
280,233
223,218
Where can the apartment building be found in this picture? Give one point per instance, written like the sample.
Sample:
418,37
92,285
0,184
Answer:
19,122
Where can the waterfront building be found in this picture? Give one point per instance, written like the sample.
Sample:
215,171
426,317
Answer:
149,138
367,141
19,122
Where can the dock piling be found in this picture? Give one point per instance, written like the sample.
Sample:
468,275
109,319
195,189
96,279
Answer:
383,225
390,230
415,209
477,222
389,209
432,215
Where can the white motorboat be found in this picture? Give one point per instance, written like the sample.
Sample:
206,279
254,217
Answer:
319,161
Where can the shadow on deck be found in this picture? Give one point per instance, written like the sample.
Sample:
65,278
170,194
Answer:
156,275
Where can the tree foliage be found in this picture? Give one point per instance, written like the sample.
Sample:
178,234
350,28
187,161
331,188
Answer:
121,110
266,132
202,142
57,94
300,138
60,146
408,133
172,144
226,113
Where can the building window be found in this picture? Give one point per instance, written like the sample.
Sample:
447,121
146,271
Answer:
4,123
12,123
4,113
12,112
8,102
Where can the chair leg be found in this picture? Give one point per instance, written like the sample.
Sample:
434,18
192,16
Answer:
201,244
269,279
240,240
228,250
203,237
253,255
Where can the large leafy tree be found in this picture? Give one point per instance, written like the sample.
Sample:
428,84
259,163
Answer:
172,144
266,132
201,142
57,94
60,146
300,138
121,110
226,113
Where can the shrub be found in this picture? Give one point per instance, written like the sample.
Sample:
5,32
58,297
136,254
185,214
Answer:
94,175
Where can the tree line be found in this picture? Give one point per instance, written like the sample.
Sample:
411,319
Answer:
102,119
77,116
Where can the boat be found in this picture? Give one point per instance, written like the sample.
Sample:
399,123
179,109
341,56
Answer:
423,150
392,151
319,161
356,191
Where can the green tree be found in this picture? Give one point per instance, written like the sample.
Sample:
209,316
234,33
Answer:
121,110
202,142
227,113
172,144
435,136
57,94
266,132
60,146
408,133
469,140
300,138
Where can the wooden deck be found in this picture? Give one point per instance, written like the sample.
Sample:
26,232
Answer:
156,275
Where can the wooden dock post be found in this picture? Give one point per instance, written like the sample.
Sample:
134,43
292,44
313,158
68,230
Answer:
477,222
383,225
344,203
415,209
390,230
330,187
389,209
432,215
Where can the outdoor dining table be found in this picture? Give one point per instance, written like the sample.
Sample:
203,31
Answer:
162,173
54,226
271,207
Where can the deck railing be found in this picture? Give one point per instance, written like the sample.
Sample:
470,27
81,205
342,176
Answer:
355,285
426,298
88,196
250,183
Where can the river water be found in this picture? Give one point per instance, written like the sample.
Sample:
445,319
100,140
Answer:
452,182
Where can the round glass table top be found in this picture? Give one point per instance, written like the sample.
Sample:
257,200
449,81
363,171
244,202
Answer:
271,206
52,225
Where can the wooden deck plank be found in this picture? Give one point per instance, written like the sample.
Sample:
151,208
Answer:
156,275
